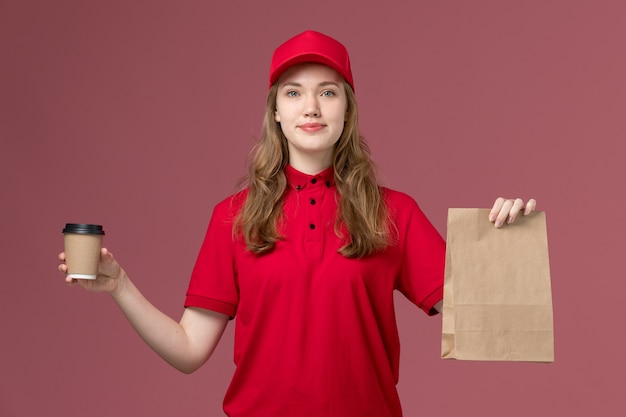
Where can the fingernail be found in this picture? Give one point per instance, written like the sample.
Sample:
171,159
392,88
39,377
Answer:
498,223
492,217
509,220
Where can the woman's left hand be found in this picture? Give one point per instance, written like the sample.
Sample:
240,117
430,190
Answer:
506,210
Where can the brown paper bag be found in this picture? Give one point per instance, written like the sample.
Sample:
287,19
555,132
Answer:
497,301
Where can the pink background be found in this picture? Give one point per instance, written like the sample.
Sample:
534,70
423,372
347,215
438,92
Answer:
139,115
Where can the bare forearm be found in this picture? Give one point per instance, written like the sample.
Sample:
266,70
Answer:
185,345
164,335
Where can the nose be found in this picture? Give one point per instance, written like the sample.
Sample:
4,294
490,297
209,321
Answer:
311,106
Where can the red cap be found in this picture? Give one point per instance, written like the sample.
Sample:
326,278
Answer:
311,46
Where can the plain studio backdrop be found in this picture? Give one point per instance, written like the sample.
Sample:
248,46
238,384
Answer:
139,115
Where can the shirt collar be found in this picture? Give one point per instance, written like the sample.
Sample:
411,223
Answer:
299,180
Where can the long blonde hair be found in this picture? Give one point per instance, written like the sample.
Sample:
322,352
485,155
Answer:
362,211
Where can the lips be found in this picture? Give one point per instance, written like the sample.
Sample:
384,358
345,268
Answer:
311,127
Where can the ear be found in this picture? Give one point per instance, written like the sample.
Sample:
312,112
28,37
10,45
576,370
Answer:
276,116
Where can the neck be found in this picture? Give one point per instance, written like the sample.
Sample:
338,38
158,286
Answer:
310,166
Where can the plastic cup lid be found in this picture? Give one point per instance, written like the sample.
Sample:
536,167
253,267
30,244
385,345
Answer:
81,228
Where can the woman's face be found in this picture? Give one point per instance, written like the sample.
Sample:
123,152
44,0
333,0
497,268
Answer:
311,108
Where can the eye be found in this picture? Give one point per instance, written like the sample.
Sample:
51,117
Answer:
292,93
328,93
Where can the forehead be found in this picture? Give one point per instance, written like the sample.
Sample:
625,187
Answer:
310,72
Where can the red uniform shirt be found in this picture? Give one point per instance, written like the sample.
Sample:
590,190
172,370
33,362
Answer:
315,332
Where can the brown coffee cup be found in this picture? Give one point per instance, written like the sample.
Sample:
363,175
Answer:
82,249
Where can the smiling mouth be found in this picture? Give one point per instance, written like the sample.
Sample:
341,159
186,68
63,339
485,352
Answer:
311,127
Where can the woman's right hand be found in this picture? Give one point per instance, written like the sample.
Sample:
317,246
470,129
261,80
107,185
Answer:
109,276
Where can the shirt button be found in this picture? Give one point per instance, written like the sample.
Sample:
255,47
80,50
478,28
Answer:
312,226
314,180
328,183
313,201
298,187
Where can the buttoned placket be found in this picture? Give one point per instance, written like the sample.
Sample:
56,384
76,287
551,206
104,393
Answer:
311,196
315,211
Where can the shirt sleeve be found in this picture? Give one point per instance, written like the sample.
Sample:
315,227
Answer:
213,283
423,257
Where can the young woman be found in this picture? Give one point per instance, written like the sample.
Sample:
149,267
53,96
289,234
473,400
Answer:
306,257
